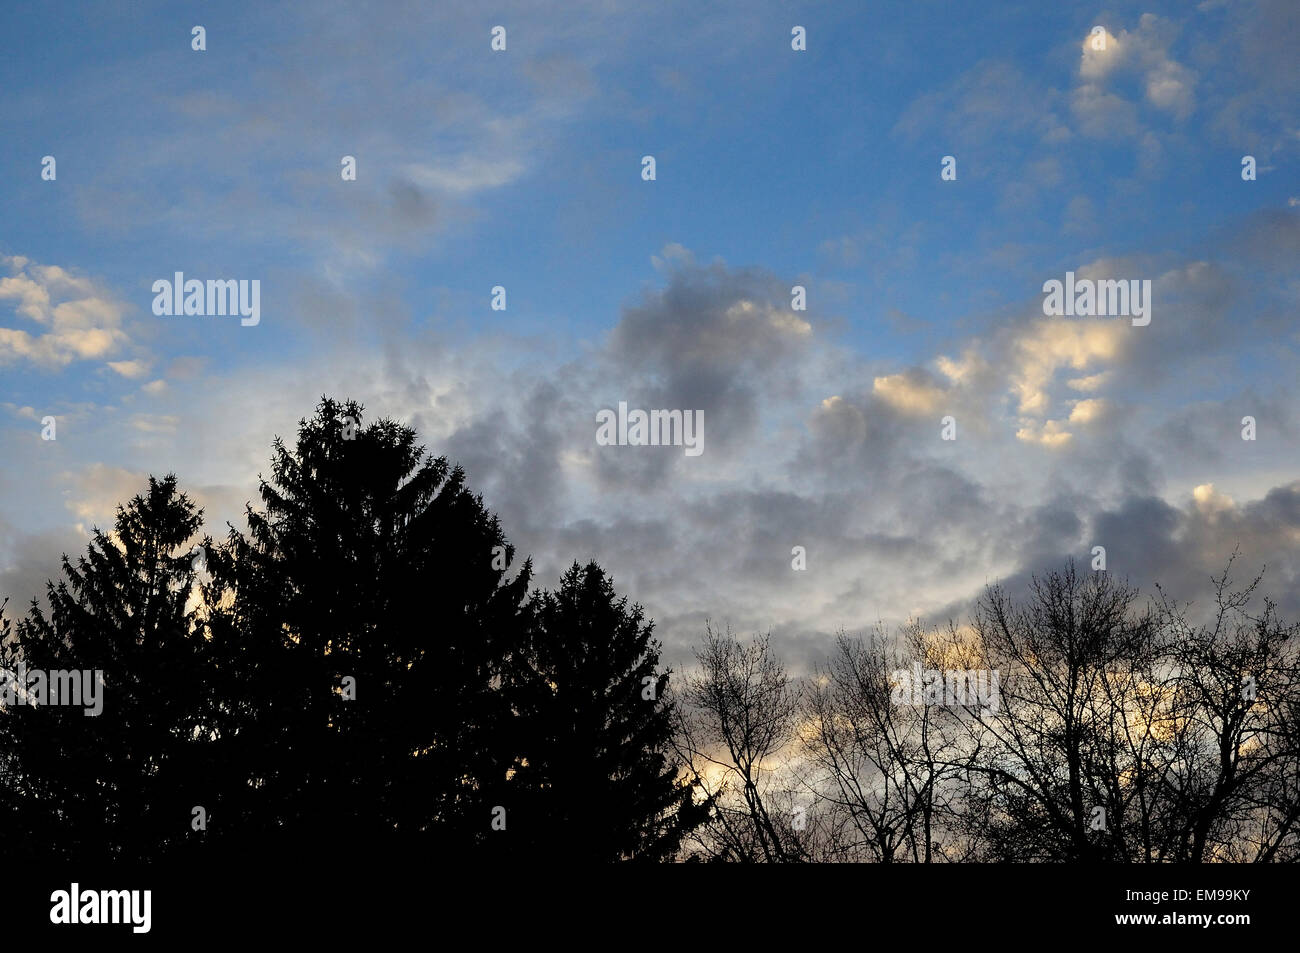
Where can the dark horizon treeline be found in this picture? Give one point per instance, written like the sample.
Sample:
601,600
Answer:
363,671
1119,734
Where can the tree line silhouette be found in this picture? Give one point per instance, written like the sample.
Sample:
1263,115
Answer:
1120,734
363,670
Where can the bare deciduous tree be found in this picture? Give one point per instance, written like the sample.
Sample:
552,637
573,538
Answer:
883,764
739,715
1118,731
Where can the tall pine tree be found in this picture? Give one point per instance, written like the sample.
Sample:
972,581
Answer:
121,784
597,782
370,612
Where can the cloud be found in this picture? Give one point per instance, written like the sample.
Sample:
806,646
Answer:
429,140
1049,345
1098,63
76,320
33,298
713,339
1137,63
1181,547
131,369
1089,411
1090,383
1210,501
807,442
1050,433
95,492
821,429
29,560
1103,115
466,174
1169,86
155,423
982,106
910,392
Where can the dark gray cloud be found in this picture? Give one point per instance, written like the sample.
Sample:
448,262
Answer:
31,560
807,447
806,444
1152,543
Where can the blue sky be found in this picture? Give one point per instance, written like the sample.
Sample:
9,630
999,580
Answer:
774,167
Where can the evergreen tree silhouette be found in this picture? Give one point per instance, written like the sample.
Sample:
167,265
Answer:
596,782
359,673
119,785
369,562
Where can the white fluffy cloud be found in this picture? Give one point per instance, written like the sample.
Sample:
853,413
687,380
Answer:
74,319
1166,84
